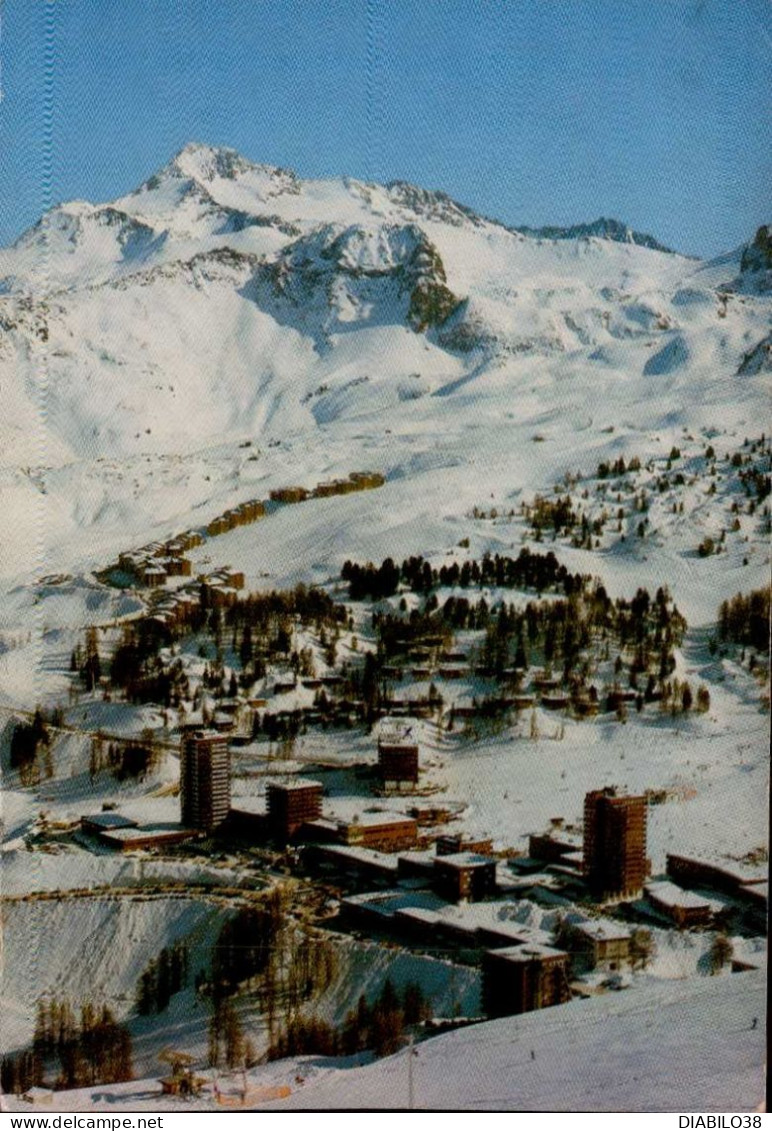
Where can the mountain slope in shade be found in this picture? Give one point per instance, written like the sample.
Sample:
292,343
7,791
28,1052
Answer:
759,359
755,276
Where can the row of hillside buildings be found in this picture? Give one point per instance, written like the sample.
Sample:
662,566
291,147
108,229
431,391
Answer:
294,806
523,967
356,481
151,566
242,515
610,859
254,509
178,608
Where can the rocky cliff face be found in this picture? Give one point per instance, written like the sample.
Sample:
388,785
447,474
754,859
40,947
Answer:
757,256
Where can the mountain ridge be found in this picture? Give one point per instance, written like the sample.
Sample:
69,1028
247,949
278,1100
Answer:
239,290
197,166
603,228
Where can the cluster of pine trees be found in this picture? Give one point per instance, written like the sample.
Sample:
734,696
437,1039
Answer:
529,570
278,728
264,953
557,515
380,1026
258,627
21,1071
266,612
561,517
87,661
619,467
427,627
303,1035
556,632
163,977
678,698
228,1046
755,479
245,945
744,620
72,1050
30,743
370,581
560,632
137,669
261,627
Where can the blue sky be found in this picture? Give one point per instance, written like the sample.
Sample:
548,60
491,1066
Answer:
656,112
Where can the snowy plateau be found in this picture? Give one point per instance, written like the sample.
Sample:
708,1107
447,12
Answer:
227,329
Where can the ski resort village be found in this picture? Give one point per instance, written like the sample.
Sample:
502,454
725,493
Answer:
384,673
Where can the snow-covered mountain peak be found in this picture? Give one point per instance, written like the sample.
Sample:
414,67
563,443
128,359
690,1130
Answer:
77,243
200,190
603,228
207,165
67,220
206,162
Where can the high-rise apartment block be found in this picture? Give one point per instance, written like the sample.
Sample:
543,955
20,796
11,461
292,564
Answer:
614,854
205,785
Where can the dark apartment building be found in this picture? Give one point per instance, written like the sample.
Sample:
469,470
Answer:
463,876
205,786
291,805
614,856
397,764
519,979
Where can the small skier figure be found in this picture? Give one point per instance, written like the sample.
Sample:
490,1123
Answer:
754,1023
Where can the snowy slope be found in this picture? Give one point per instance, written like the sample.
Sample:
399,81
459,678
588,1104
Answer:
44,947
686,1047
